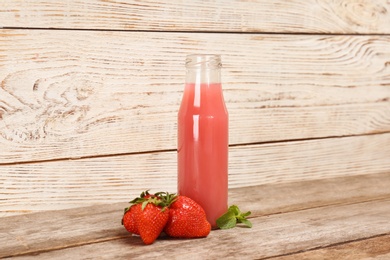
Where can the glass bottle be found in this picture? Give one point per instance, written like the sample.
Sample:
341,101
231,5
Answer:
203,137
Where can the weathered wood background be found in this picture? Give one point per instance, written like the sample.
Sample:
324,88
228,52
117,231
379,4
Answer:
89,92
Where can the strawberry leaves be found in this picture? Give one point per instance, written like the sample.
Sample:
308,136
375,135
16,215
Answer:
160,199
232,217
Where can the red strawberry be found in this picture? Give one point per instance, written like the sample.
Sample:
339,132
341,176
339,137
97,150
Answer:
146,217
129,218
187,219
151,222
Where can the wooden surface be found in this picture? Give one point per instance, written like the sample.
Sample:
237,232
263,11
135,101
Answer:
339,218
372,248
89,93
66,184
55,107
308,16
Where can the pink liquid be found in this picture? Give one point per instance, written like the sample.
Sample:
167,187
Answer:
203,148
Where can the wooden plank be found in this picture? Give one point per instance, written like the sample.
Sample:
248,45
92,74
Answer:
66,184
73,227
377,248
274,235
301,194
277,198
57,229
303,16
72,94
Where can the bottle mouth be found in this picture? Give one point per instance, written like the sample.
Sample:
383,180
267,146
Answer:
210,61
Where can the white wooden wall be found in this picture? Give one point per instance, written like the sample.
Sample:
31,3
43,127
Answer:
89,92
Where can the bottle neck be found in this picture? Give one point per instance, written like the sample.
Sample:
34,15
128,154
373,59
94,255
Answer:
203,76
203,69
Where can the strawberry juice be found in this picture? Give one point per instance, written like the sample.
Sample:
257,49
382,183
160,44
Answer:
203,145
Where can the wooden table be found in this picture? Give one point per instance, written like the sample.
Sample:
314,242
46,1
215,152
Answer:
339,218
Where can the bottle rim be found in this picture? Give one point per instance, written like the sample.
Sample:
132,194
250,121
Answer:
211,61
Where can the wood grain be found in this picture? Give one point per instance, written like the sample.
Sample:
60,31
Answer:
326,222
71,94
377,248
66,184
275,198
270,237
309,16
89,92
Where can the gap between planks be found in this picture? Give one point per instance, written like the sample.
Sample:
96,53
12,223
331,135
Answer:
174,150
197,31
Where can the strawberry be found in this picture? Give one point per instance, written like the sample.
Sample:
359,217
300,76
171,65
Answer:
178,216
147,217
129,218
187,219
151,222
